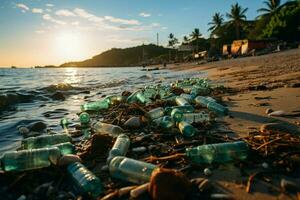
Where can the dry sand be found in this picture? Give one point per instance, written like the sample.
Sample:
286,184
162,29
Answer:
268,81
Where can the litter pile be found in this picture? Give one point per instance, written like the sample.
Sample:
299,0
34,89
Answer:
135,145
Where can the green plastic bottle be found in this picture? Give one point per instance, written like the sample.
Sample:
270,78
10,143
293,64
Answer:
217,108
164,122
66,148
130,170
84,119
110,129
188,97
64,122
186,129
177,115
155,113
218,153
196,117
114,99
29,159
85,179
120,147
184,109
181,101
95,106
44,141
203,101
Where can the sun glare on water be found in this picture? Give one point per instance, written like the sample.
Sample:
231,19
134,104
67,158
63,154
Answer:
69,45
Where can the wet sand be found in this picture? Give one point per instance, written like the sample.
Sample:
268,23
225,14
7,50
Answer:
269,81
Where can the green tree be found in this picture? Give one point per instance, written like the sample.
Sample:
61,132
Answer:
237,17
216,23
185,39
172,40
195,35
271,7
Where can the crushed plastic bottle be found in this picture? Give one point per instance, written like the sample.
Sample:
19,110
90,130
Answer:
177,115
218,153
110,129
44,141
29,159
95,106
184,109
196,117
130,170
186,129
155,113
180,101
165,122
120,147
85,179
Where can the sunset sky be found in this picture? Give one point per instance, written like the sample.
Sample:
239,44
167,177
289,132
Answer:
41,32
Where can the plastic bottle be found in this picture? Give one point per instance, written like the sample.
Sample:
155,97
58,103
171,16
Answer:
29,159
130,170
132,98
218,153
110,129
218,108
203,101
188,97
44,141
177,115
184,109
155,113
64,122
165,122
186,129
196,117
95,106
65,148
114,99
84,119
120,147
85,179
181,101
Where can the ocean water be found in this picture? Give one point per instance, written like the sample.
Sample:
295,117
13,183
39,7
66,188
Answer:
26,95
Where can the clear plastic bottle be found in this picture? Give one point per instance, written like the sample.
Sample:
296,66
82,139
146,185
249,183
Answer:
188,97
218,153
110,129
95,106
44,141
184,109
186,129
85,179
217,108
130,170
196,117
114,99
155,113
181,101
177,115
165,122
120,147
203,101
29,159
65,148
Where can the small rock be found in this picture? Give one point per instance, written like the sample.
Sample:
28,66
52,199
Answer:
22,197
58,96
221,196
265,165
275,128
168,184
207,172
139,149
269,110
277,113
138,191
37,126
289,186
23,130
133,122
68,159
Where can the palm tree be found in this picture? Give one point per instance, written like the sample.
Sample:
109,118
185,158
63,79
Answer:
237,17
271,7
217,22
196,35
185,39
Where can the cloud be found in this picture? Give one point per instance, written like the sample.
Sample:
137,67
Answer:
51,19
155,24
122,21
76,23
39,31
118,39
23,7
48,10
37,10
65,13
49,5
143,14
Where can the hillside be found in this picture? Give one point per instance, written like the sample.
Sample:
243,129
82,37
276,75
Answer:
132,56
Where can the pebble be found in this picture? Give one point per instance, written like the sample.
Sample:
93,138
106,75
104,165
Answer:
265,165
207,172
133,122
23,130
138,191
37,126
277,113
68,159
139,149
269,110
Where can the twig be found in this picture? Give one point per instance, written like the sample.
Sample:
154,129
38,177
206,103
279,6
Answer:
267,143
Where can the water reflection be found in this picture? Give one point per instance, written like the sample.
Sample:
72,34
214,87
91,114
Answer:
71,76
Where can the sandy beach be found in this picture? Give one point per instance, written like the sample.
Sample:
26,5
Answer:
257,84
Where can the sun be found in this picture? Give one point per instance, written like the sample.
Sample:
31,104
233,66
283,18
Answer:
69,45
